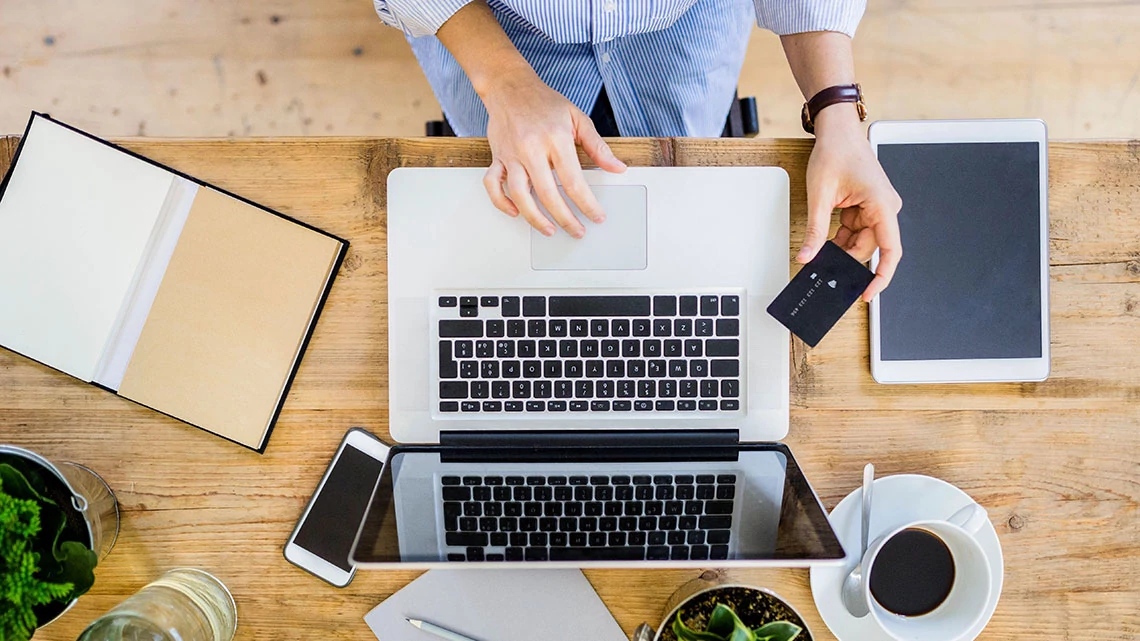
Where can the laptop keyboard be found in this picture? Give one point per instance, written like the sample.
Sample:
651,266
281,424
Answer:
588,518
592,354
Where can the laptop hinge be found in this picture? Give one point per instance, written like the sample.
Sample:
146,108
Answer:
592,445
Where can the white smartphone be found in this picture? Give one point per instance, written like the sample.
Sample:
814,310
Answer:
322,541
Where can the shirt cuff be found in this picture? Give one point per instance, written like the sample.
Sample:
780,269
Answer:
785,17
417,18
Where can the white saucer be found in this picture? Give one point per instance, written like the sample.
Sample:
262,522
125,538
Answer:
896,500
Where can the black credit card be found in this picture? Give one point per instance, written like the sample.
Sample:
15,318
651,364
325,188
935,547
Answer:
821,293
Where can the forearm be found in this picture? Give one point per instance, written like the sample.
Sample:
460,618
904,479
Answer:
822,59
479,44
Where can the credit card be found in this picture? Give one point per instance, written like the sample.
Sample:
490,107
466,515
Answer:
819,295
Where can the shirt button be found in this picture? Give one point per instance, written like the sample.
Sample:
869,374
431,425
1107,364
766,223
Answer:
610,6
606,58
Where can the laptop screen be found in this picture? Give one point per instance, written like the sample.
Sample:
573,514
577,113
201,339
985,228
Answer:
728,504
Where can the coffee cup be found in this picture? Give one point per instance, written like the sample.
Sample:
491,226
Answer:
929,580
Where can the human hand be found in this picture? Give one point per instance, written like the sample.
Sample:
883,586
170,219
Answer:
844,173
533,131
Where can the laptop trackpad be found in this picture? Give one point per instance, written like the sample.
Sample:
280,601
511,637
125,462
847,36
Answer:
617,243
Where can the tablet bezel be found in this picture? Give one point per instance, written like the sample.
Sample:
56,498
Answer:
968,370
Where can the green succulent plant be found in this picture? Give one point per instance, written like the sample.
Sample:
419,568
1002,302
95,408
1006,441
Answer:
724,625
37,567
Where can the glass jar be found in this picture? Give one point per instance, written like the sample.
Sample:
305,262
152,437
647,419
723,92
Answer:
184,604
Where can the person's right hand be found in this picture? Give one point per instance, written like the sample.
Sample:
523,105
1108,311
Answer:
533,131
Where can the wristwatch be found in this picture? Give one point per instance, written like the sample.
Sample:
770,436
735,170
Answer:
830,96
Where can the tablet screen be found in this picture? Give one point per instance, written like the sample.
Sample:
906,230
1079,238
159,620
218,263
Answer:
969,284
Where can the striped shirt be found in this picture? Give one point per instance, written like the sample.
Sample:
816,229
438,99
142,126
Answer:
669,67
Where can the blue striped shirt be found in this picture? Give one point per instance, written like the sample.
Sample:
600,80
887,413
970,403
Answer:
670,67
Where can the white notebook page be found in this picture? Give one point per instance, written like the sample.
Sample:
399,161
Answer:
74,224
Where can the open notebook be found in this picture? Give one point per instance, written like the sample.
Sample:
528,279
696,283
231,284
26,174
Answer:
160,288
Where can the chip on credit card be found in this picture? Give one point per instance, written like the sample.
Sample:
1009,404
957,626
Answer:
819,295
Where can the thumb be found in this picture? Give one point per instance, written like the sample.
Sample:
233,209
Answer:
596,148
821,202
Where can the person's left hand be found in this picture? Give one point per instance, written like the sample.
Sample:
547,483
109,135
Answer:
843,173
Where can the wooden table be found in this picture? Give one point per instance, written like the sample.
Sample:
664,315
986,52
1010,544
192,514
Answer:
1055,463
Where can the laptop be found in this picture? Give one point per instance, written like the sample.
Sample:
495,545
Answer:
607,400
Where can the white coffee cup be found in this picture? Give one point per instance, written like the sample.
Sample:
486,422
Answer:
953,619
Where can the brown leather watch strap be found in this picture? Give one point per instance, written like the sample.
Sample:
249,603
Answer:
830,96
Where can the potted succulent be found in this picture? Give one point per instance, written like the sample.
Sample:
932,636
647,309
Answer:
707,610
54,522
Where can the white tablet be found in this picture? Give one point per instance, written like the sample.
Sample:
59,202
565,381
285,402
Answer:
970,299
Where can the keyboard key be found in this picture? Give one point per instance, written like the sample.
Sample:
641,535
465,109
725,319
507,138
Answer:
595,369
704,327
646,389
484,349
489,301
468,311
558,539
460,329
631,348
699,552
722,347
535,406
729,305
726,478
472,509
708,389
464,349
683,327
615,369
514,554
513,406
579,406
588,348
552,369
556,406
678,368
584,389
664,305
563,389
688,388
619,327
568,348
709,305
718,507
604,389
672,348
694,347
447,301
536,554
651,347
469,369
579,328
718,552
611,349
532,369
688,306
527,349
662,327
600,406
641,327
643,406
721,522
599,327
542,389
512,369
725,368
622,406
726,492
448,368
606,553
500,389
469,406
729,388
706,405
698,367
686,406
468,301
557,328
520,389
657,368
676,538
505,349
534,306
727,327
466,539
626,389
548,349
667,389
565,306
453,389
516,328
536,328
496,328
729,405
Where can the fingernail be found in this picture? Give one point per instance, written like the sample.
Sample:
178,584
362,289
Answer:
599,218
547,231
578,233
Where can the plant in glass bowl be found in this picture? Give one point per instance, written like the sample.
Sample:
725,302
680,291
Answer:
724,625
46,559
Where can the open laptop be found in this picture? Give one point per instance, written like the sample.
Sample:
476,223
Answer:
654,320
591,401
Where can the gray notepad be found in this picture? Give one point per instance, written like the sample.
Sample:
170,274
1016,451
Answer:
497,605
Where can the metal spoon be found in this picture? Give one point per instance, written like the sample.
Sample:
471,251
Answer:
852,593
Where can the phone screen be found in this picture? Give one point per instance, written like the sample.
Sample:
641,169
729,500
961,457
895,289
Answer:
330,527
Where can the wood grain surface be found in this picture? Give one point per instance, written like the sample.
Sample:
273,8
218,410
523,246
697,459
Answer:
1056,463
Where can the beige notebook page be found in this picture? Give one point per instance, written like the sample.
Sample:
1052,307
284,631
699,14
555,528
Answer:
234,305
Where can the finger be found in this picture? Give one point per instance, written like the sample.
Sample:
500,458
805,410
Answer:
861,245
821,201
543,180
586,135
518,190
493,182
574,183
843,237
890,253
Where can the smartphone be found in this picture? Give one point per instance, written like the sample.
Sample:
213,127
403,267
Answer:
322,540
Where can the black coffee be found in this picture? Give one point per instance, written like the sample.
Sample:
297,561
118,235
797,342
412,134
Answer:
913,573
